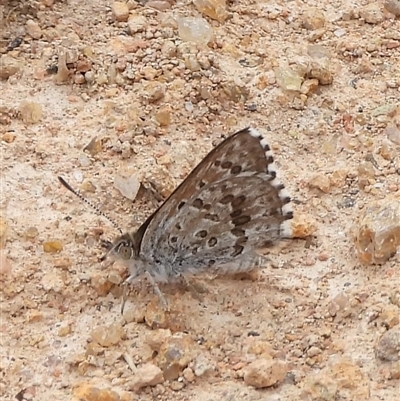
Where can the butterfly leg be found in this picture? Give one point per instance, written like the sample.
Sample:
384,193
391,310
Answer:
157,291
124,295
129,281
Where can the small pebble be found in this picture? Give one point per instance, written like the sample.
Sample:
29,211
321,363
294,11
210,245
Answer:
163,117
388,347
146,375
156,338
188,375
159,5
120,11
288,79
88,392
175,355
63,72
8,137
33,29
137,23
303,225
215,9
321,182
128,186
89,76
31,112
393,134
31,233
106,336
154,91
342,379
203,366
265,373
372,13
65,330
313,19
196,30
9,66
176,385
340,32
52,246
390,317
309,86
339,304
377,235
87,186
93,147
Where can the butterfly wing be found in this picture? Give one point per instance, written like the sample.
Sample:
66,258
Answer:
230,204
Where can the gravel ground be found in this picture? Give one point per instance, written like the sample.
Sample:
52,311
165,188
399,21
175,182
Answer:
96,92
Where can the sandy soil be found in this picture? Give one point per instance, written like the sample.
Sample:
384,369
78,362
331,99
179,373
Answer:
315,308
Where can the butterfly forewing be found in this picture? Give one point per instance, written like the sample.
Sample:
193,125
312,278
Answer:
230,204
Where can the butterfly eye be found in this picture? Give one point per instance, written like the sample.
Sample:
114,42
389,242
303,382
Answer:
125,251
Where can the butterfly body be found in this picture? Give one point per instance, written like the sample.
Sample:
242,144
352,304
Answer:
230,205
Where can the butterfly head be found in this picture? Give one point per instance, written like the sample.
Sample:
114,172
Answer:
123,248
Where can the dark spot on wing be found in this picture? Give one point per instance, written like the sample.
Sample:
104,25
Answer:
211,216
212,242
236,169
226,164
238,201
238,232
198,203
227,199
238,249
289,215
266,147
236,213
270,159
239,221
201,234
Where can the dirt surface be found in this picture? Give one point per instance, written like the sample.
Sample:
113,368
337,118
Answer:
322,84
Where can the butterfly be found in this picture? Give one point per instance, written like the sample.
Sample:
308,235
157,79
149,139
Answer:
229,206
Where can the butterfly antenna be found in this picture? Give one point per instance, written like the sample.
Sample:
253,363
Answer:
94,207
